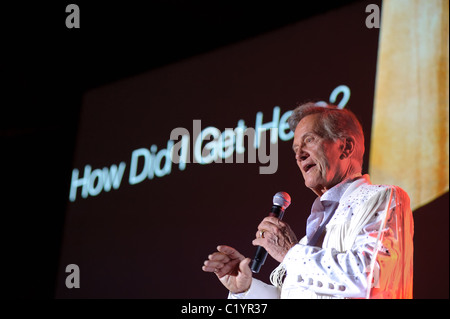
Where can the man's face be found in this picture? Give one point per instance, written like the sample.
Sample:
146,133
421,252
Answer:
318,158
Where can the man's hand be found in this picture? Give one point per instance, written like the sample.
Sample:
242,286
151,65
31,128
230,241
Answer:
231,268
276,237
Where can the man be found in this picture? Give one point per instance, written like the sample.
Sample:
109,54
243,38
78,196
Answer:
359,236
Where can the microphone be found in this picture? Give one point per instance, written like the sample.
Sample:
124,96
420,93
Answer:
281,201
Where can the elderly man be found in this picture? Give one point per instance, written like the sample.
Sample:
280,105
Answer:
359,236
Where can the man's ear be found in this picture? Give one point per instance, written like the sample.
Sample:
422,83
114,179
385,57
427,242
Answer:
348,147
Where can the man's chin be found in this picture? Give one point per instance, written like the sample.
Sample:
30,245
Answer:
315,187
310,183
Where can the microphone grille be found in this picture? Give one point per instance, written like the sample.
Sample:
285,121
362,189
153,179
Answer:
282,199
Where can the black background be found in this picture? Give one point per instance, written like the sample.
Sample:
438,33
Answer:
45,70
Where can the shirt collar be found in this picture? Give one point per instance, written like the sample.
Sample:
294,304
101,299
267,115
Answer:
335,193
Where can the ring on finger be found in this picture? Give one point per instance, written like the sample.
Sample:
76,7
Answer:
261,233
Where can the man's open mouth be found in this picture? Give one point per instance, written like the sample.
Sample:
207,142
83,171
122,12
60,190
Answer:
307,167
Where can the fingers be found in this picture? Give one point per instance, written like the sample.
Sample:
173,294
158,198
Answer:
223,261
215,261
230,252
244,267
268,238
213,265
275,236
271,224
270,229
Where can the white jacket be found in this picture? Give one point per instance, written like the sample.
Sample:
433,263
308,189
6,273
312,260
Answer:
370,221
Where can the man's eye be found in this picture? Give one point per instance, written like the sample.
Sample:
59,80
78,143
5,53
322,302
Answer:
309,139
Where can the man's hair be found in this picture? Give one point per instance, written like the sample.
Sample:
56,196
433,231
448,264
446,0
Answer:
333,124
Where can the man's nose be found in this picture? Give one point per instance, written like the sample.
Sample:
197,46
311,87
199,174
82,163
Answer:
301,155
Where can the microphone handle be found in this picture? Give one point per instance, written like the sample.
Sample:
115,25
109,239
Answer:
261,253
